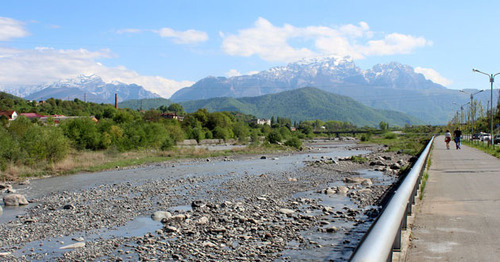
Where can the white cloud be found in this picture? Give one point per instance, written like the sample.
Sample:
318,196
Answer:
273,43
190,36
10,28
183,37
394,44
233,72
45,65
433,75
129,31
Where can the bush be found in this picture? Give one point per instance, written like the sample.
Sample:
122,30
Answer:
9,149
168,143
390,136
274,137
44,144
294,142
366,137
222,133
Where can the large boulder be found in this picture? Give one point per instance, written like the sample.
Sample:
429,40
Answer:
160,215
14,200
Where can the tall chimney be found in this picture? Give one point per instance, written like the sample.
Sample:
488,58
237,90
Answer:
116,100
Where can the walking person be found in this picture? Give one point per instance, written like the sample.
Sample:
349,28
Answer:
458,134
447,139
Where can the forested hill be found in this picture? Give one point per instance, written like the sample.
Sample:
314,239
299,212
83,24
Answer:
304,104
145,104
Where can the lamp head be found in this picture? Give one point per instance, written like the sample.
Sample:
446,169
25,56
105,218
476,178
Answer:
474,70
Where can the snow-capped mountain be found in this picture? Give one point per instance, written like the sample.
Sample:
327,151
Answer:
324,73
391,86
92,89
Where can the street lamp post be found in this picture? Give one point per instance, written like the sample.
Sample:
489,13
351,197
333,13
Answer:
471,111
492,79
461,113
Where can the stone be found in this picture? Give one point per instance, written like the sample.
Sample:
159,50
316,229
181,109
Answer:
74,246
331,229
4,254
286,211
395,166
69,206
202,220
357,180
171,229
367,182
208,244
292,179
1,210
159,215
330,191
78,239
14,200
377,163
342,190
198,204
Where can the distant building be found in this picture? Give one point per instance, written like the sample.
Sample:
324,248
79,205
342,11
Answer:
172,116
11,115
31,115
262,121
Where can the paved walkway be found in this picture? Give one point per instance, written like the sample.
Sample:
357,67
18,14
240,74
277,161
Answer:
459,217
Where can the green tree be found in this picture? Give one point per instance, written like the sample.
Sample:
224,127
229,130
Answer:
294,142
9,149
274,137
241,131
383,126
176,108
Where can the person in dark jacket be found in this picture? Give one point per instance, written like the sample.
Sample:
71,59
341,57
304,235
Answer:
457,134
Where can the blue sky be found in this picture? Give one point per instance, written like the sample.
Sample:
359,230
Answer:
167,45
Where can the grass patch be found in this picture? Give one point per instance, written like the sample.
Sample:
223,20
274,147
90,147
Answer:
494,151
94,161
359,159
425,176
410,144
422,186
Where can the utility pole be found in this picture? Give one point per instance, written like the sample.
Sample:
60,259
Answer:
492,79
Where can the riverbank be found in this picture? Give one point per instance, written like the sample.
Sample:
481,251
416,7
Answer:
313,204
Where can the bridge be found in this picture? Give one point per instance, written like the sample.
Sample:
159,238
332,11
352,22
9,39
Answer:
337,133
458,218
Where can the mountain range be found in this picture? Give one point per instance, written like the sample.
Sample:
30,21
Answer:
306,103
90,88
390,86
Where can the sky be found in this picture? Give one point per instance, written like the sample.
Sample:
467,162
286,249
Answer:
166,45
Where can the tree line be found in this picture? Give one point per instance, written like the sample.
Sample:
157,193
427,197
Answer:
33,143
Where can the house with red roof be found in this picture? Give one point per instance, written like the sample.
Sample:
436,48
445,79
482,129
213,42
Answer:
11,115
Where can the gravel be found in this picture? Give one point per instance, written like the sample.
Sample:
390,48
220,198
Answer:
320,209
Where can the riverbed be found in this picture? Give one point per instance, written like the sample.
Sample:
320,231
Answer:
276,207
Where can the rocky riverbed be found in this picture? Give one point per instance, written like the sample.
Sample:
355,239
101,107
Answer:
262,210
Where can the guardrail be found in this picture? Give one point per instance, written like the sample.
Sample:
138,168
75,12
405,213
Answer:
384,236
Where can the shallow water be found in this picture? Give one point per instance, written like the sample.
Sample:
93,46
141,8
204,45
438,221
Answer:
143,224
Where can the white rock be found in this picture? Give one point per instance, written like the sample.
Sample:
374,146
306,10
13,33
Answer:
74,246
330,191
4,254
14,200
202,221
159,215
342,190
286,211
